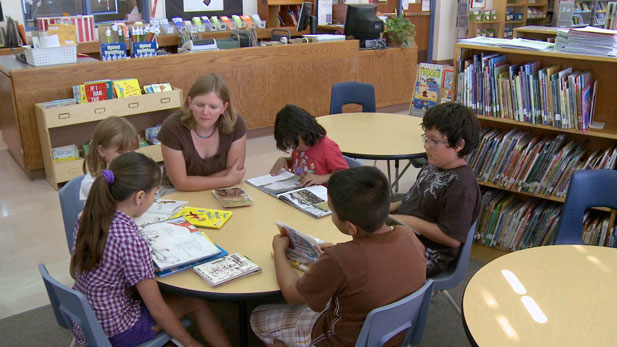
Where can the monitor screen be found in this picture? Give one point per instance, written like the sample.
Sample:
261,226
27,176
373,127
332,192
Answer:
362,22
305,15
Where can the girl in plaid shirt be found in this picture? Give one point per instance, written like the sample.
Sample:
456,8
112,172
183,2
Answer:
112,264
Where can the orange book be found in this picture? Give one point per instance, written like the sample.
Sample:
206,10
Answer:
227,22
22,33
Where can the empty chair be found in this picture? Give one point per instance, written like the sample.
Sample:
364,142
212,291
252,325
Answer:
587,188
455,271
409,313
70,305
70,206
352,93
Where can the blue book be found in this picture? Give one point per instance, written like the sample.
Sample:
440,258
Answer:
180,268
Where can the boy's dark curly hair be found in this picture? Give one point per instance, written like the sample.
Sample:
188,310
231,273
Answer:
457,122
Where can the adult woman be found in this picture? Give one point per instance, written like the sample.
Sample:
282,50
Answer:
203,145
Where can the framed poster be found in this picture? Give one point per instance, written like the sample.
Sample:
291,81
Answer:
478,3
203,5
188,9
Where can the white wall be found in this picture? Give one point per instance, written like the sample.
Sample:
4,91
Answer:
12,8
445,30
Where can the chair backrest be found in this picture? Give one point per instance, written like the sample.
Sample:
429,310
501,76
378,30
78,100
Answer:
70,206
457,268
588,188
70,305
409,313
352,162
352,93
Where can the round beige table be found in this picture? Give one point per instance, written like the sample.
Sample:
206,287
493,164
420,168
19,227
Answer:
377,136
249,232
563,295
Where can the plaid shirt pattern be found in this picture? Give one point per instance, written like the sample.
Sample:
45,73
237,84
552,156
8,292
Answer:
110,287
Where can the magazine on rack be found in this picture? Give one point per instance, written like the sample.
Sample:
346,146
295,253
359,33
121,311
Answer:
286,186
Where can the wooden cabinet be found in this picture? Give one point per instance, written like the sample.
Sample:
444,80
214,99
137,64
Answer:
548,188
74,124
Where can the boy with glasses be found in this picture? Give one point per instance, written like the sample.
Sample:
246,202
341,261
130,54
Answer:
445,200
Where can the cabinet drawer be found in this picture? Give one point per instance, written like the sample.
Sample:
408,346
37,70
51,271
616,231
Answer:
65,170
95,111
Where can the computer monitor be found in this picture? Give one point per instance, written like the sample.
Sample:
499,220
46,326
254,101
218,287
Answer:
305,18
362,22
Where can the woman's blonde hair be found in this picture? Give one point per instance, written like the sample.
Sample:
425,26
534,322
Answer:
110,132
207,84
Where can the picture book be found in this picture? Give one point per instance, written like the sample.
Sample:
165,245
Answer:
98,90
160,210
285,186
303,249
180,268
173,244
430,73
232,197
205,217
225,269
126,87
425,97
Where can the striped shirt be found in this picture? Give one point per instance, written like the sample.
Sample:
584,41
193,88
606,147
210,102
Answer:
110,287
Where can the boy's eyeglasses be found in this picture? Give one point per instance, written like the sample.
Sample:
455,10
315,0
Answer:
432,143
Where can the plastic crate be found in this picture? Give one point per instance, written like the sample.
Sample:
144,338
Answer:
51,56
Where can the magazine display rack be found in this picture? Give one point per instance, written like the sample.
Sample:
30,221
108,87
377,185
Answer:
74,124
604,140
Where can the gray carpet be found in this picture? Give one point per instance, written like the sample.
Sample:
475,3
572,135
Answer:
38,327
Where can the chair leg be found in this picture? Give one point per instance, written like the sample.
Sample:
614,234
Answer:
73,343
451,300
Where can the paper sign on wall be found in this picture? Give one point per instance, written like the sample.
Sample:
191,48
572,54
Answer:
203,5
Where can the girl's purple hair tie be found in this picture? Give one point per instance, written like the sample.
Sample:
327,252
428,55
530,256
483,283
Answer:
109,176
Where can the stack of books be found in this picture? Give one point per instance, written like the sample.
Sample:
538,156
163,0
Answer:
589,40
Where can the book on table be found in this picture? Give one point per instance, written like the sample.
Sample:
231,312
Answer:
205,217
303,249
175,243
285,186
160,210
226,268
232,197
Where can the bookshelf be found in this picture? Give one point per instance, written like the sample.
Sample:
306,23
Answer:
525,180
511,14
74,124
270,10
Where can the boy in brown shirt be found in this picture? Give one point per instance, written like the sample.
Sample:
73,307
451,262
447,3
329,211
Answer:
380,265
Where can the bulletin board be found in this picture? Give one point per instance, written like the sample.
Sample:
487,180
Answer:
176,8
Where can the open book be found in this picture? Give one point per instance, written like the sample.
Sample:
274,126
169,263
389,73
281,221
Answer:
286,186
225,269
303,249
232,197
174,244
160,210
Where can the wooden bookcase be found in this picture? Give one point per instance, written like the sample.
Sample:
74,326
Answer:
503,25
269,11
604,70
74,124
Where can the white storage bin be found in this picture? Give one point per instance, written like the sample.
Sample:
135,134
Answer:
51,56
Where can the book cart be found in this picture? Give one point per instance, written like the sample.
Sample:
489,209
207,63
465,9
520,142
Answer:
74,124
538,226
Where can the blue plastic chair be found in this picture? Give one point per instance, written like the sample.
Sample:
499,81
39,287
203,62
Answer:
409,313
352,93
70,305
588,188
352,162
455,272
70,206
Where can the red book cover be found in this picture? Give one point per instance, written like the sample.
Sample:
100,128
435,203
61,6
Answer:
96,91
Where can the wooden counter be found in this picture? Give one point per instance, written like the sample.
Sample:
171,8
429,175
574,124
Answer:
261,81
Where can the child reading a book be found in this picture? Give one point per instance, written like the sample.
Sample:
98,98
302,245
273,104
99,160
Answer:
204,144
445,199
314,156
112,137
112,263
380,265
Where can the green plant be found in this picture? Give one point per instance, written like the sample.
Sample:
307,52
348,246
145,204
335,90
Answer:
400,29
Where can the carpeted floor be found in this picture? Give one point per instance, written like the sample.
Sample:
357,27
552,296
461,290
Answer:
38,327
